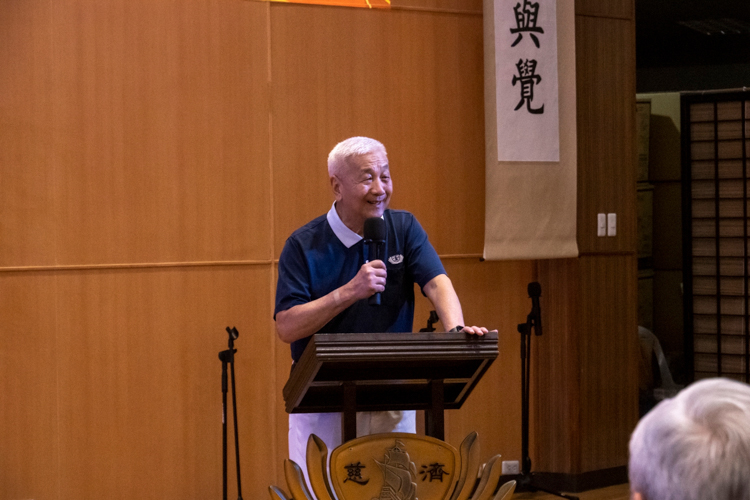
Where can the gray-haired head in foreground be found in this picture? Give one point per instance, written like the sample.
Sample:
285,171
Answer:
354,146
695,446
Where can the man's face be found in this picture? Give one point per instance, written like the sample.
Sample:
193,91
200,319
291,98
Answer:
363,189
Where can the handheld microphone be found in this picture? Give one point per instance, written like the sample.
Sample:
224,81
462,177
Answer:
374,236
535,291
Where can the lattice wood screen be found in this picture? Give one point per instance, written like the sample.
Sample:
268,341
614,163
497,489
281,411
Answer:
716,199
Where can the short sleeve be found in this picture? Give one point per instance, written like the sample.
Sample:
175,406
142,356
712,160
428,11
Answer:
294,284
423,261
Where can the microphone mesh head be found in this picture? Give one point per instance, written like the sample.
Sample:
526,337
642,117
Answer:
374,229
534,289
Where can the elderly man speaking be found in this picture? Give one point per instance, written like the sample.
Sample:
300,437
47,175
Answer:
324,281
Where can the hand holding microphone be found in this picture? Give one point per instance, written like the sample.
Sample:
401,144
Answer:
370,280
374,236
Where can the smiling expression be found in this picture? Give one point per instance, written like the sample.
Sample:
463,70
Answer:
363,189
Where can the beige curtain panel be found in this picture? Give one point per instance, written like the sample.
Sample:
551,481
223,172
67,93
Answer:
530,208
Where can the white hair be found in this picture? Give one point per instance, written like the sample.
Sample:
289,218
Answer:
695,446
354,146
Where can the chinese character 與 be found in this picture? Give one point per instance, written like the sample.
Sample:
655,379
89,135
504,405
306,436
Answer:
528,78
526,18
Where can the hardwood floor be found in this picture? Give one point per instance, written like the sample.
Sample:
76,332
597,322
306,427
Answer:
618,492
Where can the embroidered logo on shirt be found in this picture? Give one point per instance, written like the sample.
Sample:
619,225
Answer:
396,259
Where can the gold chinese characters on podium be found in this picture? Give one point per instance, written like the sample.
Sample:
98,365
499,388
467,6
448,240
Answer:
395,466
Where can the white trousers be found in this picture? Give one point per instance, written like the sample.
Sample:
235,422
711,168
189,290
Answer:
327,426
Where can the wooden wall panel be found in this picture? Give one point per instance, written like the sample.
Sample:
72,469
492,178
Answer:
586,364
410,79
585,382
139,380
556,361
605,65
622,9
451,6
160,115
28,387
609,353
26,181
492,294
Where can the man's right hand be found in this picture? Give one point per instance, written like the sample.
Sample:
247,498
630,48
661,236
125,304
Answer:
370,279
303,320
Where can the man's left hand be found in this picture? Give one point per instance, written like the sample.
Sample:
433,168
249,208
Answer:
476,330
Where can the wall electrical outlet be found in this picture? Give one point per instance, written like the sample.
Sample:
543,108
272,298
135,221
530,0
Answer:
611,224
510,467
601,224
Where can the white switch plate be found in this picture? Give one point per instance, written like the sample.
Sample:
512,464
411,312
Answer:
601,224
611,224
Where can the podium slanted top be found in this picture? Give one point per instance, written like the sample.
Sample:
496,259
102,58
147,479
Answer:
391,371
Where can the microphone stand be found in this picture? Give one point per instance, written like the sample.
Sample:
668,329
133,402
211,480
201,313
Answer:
533,322
227,358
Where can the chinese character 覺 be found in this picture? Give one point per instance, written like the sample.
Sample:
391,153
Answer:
433,471
526,18
528,78
354,473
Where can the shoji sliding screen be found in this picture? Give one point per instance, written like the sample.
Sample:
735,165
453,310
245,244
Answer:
716,196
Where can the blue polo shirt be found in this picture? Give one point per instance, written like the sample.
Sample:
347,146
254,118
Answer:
315,261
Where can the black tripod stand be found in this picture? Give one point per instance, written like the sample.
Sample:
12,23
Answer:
227,357
533,321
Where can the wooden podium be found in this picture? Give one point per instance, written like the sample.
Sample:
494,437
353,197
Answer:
388,371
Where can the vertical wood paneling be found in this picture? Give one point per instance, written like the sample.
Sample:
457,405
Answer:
453,6
492,294
622,9
139,380
585,367
586,385
26,181
608,343
160,153
555,364
605,60
413,80
605,65
28,387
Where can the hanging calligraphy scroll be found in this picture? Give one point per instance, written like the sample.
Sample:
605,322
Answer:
530,124
526,68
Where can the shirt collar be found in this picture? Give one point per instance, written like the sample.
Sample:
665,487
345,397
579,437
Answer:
348,237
